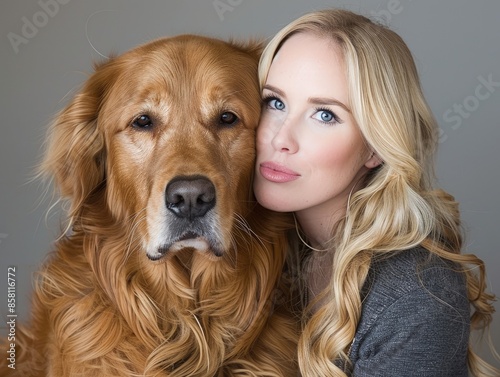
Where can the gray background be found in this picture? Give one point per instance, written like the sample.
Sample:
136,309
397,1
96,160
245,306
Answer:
456,44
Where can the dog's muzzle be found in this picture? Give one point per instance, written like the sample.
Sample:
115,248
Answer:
191,218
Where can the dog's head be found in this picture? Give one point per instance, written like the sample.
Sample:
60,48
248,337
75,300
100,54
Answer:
163,137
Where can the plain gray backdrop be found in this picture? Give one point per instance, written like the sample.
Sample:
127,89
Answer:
48,48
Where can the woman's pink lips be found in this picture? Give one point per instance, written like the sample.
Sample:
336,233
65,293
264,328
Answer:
277,173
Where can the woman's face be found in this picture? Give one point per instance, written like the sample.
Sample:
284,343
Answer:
310,152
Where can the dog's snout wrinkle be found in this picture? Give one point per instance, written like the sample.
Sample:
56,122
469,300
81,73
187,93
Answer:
190,197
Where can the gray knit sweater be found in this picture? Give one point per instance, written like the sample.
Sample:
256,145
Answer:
415,319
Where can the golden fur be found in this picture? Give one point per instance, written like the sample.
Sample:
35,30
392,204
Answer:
116,298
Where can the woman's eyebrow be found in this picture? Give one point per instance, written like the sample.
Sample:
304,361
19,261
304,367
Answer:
274,89
327,101
313,100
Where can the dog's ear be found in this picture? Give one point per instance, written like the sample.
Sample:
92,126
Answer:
75,155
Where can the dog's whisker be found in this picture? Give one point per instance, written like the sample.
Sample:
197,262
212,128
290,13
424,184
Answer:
233,258
242,224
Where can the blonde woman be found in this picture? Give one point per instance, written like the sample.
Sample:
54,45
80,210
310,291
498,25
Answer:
346,143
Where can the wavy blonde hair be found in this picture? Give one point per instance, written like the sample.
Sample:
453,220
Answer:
389,107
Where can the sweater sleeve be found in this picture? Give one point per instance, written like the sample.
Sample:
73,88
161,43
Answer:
419,335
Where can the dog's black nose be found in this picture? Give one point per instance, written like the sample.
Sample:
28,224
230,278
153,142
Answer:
190,197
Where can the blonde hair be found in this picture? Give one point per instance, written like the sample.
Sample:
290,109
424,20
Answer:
397,207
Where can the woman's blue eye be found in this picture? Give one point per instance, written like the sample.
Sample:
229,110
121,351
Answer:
275,103
325,116
279,105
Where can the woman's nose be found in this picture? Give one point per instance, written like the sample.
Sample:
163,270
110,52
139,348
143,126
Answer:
284,139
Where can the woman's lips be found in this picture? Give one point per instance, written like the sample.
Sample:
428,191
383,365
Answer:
277,173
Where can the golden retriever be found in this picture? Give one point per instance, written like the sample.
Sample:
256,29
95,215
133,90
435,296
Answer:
169,266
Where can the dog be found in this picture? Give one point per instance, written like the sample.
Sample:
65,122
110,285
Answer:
169,266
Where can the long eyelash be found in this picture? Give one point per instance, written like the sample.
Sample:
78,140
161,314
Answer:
266,98
335,116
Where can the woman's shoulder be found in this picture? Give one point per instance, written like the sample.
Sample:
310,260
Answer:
415,316
405,271
412,278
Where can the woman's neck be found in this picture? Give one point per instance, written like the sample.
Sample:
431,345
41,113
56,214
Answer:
317,274
317,225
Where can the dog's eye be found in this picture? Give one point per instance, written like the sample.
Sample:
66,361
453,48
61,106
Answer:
143,122
228,119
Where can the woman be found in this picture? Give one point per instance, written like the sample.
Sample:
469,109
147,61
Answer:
346,143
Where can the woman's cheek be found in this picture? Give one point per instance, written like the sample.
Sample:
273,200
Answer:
264,132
